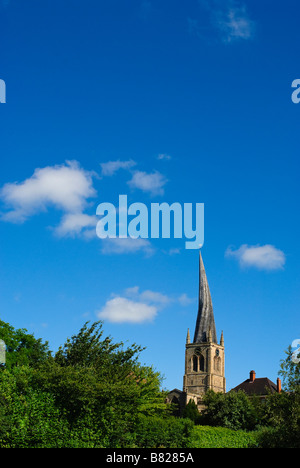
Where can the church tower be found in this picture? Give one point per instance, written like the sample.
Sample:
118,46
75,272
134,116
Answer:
204,356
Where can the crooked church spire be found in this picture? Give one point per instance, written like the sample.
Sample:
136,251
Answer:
205,326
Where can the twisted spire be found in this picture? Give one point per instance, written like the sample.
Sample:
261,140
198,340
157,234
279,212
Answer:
205,325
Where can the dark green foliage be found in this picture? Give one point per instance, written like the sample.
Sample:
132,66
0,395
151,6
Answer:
22,348
290,371
28,417
233,410
89,349
282,415
92,393
191,412
220,437
156,432
282,411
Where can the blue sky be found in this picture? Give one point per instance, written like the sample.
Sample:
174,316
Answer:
164,101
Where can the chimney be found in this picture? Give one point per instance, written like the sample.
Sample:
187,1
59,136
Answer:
252,376
278,385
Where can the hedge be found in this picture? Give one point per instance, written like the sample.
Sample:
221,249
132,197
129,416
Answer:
220,437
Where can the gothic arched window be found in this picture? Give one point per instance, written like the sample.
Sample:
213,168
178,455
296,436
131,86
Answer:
217,364
201,358
195,363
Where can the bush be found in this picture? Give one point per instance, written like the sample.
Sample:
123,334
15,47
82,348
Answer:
191,411
232,410
156,432
28,417
282,415
92,394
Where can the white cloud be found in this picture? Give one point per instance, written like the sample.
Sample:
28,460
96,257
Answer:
121,309
77,224
172,251
229,17
148,296
137,307
155,297
127,245
111,167
66,187
132,292
164,156
235,24
184,300
152,182
148,182
265,257
159,299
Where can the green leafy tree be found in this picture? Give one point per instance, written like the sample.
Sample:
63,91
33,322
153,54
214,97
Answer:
191,411
28,416
22,347
233,410
102,387
282,416
290,370
91,393
282,410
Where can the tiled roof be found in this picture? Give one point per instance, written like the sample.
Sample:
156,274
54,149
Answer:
260,386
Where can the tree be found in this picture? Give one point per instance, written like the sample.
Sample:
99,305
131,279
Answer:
233,410
282,410
93,393
22,347
191,411
282,415
102,387
29,417
290,371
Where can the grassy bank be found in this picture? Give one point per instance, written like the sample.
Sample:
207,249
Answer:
219,437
